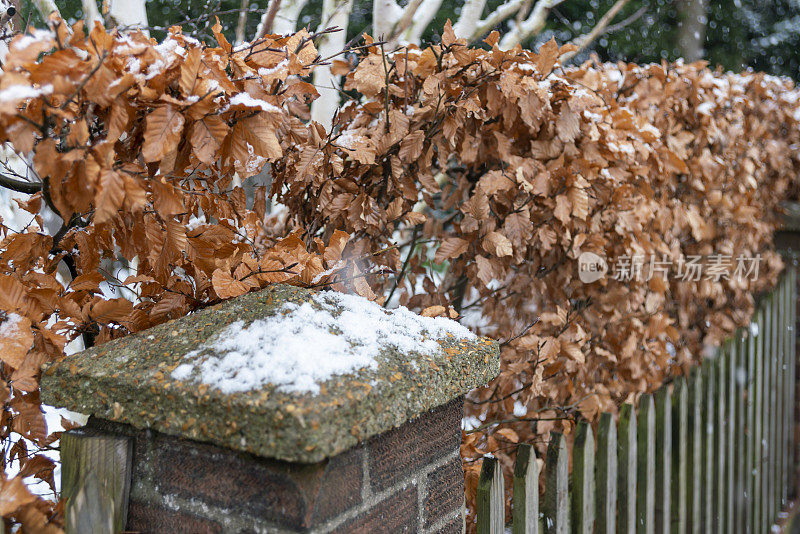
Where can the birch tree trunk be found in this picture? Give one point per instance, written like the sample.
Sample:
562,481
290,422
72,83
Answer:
692,28
46,7
334,13
90,12
286,17
422,19
128,13
470,17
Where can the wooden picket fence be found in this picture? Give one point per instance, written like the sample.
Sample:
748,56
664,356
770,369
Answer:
713,453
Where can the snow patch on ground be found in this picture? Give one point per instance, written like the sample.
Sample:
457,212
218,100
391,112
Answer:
304,345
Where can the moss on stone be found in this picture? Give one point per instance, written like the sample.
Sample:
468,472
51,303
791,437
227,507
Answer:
129,380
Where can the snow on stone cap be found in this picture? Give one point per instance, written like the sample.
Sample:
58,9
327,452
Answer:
311,342
285,372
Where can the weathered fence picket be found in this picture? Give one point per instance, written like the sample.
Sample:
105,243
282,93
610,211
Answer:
626,474
556,499
766,418
526,491
583,485
720,463
646,466
695,453
491,498
680,450
730,433
606,465
711,453
663,460
708,453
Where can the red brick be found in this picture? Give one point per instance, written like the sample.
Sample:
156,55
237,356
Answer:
444,491
282,493
148,519
400,452
294,495
396,514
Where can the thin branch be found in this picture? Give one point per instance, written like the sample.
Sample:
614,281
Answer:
20,186
268,19
399,277
405,21
586,39
496,17
520,334
628,21
533,25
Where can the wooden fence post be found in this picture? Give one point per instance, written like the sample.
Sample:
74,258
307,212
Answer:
526,491
95,465
663,471
787,407
606,475
757,334
766,415
680,445
793,453
491,498
694,457
739,380
556,495
583,484
774,412
720,459
730,432
646,466
790,371
626,485
780,435
708,431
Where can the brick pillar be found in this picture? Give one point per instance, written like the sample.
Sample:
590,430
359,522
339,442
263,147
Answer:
408,479
373,450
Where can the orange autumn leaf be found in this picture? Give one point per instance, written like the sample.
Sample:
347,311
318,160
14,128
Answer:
226,285
16,339
164,129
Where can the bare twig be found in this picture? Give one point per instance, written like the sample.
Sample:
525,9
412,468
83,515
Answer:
586,39
268,19
405,21
628,21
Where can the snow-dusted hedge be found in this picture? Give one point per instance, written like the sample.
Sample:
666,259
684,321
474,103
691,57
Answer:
456,177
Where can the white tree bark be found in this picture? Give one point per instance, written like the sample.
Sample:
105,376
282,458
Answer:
334,13
128,13
385,16
469,18
241,25
422,18
46,7
692,28
497,16
90,12
286,17
533,25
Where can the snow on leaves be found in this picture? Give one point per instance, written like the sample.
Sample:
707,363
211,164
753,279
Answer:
136,145
503,165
